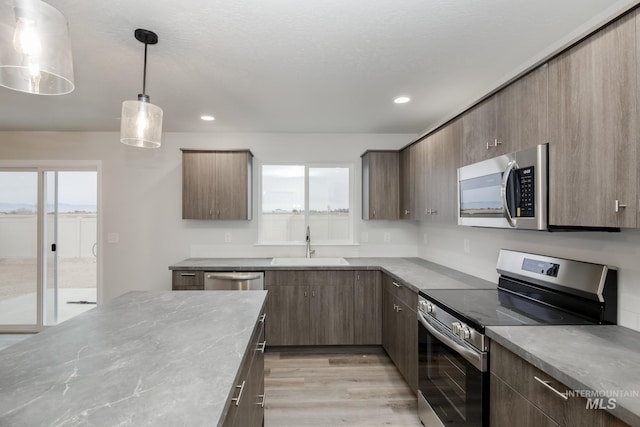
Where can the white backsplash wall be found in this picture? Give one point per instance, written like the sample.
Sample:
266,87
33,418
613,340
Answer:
446,245
142,199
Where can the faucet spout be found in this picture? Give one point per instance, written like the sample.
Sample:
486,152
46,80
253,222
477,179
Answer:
308,254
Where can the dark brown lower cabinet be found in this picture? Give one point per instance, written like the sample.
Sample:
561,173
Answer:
400,328
519,397
310,307
185,280
367,310
247,399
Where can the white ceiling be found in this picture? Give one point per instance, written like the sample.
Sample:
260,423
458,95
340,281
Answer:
296,65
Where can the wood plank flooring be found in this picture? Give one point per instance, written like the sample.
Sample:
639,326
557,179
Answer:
352,386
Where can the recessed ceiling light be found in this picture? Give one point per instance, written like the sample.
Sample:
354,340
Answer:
401,99
207,118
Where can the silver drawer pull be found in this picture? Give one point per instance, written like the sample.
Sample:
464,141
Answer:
396,284
187,274
261,346
263,397
237,399
547,385
262,317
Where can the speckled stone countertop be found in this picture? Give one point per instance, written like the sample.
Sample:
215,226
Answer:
144,358
600,358
416,273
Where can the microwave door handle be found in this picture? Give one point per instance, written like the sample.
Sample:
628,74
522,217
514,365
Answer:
505,181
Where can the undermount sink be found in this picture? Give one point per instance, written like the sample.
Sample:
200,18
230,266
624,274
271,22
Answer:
309,261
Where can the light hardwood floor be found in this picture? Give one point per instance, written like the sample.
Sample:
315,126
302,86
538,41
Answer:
354,386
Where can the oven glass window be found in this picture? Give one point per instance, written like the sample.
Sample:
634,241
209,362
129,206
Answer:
482,197
455,389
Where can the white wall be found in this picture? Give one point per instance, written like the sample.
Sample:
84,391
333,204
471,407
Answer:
445,245
141,199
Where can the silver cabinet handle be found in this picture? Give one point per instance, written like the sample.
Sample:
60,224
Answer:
235,276
218,213
434,212
261,346
313,293
187,274
547,385
406,212
263,397
395,307
262,317
399,309
374,213
210,212
494,145
237,399
396,284
619,206
305,294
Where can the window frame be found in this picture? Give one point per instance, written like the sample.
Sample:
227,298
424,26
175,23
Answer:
350,240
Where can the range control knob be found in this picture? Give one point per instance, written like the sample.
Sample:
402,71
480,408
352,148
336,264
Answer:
455,327
428,307
465,332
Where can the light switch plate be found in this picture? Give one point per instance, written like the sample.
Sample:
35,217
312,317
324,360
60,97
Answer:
387,237
113,237
227,237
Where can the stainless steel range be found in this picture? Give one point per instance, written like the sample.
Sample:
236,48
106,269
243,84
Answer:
532,290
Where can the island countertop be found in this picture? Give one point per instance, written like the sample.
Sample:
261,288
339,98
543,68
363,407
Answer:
144,358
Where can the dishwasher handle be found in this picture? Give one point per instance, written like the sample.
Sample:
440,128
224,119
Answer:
234,276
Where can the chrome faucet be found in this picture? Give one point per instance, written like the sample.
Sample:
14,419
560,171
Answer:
309,251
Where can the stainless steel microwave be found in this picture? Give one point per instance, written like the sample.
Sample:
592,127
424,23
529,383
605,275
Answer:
509,191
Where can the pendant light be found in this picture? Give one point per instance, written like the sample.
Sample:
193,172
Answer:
141,121
35,49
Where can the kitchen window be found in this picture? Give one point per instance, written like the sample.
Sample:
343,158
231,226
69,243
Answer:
297,195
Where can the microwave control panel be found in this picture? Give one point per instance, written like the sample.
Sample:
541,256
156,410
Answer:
526,203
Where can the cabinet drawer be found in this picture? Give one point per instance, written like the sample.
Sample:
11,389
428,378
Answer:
183,280
538,387
401,292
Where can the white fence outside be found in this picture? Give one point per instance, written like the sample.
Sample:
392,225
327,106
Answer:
77,235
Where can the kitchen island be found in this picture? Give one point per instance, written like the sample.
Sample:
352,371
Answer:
144,358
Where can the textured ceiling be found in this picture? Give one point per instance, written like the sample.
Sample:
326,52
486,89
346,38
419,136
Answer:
295,65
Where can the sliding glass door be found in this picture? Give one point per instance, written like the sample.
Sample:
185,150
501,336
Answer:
48,249
19,248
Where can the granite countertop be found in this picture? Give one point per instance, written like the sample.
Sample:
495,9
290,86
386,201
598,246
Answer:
600,358
144,358
416,273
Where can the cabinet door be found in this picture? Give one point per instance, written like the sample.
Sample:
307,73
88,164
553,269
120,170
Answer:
509,408
443,153
593,130
389,320
332,314
198,185
521,113
422,178
233,183
479,128
380,185
406,184
407,333
367,315
287,314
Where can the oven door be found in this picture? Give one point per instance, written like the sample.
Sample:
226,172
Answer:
453,379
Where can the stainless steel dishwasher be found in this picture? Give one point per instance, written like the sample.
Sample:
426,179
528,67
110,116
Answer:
234,281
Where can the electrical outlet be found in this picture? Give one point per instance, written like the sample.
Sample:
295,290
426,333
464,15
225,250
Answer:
424,239
466,246
227,237
387,237
113,237
364,237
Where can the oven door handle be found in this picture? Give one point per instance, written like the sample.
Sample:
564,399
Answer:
477,359
505,181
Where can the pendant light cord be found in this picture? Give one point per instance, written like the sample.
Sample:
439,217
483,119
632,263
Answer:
144,75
